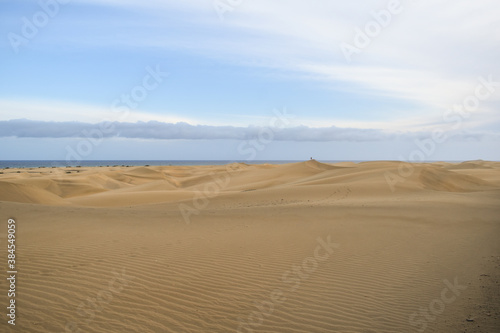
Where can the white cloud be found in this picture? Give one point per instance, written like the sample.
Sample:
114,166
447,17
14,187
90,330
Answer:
431,53
64,111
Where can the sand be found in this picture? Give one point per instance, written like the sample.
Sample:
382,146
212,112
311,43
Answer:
303,247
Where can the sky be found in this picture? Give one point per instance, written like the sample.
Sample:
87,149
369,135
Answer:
249,80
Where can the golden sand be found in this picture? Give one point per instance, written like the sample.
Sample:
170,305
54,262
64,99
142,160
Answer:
302,247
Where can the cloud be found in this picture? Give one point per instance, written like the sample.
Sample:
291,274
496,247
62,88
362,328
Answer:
421,56
430,55
23,128
66,111
175,131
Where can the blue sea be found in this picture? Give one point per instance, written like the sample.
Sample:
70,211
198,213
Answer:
63,163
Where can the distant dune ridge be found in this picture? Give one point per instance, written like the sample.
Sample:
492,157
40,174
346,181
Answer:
210,248
104,187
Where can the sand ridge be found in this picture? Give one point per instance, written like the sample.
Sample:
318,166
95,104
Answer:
154,184
108,249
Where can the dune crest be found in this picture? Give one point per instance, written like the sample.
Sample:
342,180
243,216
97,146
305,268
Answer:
155,184
444,180
301,247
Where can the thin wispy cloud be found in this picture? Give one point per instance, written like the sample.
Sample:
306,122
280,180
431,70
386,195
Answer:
414,58
43,110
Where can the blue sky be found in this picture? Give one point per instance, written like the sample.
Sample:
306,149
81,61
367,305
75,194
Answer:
418,67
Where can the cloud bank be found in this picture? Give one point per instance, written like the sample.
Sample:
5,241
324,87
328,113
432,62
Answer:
23,128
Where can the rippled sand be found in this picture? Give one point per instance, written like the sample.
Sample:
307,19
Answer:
303,247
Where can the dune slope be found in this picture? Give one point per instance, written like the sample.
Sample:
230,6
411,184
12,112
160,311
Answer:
302,247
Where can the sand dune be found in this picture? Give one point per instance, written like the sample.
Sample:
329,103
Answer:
244,248
311,179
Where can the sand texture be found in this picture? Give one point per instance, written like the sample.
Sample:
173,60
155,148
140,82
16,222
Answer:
303,247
